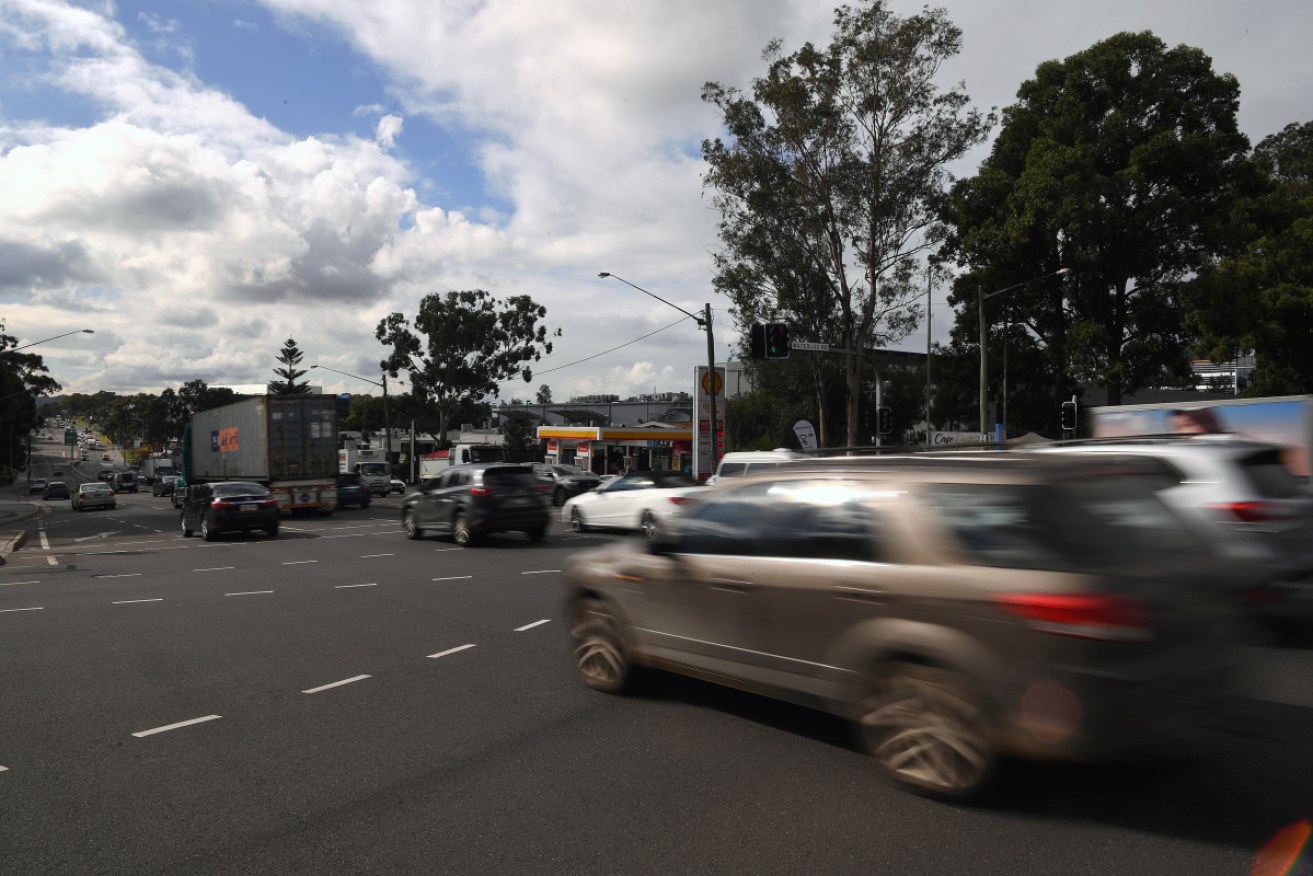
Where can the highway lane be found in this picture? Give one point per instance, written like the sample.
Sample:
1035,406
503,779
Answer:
357,731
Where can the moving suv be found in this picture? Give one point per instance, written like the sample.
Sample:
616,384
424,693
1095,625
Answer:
955,609
470,501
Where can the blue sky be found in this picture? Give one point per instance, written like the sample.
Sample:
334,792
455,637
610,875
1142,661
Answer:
198,181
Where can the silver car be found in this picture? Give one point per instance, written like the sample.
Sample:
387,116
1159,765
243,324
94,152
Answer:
93,494
956,610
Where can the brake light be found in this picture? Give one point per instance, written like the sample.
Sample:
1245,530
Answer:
220,503
1251,512
480,491
1105,616
683,500
544,488
269,503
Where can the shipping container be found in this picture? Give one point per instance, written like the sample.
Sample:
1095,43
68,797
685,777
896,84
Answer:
288,443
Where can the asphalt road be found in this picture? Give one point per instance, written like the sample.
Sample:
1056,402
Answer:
343,700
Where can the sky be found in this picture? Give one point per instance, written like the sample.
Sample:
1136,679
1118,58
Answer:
199,180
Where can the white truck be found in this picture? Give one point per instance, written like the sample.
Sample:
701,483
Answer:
433,464
371,464
158,468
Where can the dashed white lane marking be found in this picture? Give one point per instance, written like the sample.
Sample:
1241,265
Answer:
176,726
4,769
54,561
532,625
454,578
335,684
123,575
215,569
36,608
132,601
45,542
450,651
299,562
16,583
371,556
345,586
249,593
444,550
540,572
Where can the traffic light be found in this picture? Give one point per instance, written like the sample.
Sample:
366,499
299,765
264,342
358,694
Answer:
777,340
1069,416
886,421
758,341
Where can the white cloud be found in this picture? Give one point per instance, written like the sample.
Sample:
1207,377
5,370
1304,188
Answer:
389,128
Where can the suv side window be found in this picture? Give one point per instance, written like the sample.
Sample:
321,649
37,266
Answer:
823,520
737,523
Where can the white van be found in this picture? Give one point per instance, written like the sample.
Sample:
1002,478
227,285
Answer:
736,465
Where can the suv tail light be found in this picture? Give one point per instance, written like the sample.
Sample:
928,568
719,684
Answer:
1105,616
221,503
480,491
1251,512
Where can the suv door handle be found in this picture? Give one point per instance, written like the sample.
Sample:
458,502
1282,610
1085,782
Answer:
733,585
861,594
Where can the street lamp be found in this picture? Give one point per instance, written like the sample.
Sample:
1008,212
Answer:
980,312
55,338
387,418
703,322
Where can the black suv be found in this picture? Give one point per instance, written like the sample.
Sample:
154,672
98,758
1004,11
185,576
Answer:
352,490
470,501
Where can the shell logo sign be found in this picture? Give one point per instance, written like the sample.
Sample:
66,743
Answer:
706,382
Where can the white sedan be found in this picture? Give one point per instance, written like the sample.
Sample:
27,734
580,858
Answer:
637,501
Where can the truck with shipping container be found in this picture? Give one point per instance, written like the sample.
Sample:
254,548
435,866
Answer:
1286,421
286,442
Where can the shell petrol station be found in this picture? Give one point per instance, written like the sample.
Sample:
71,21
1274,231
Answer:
603,449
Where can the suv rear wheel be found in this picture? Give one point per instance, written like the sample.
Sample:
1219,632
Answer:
927,731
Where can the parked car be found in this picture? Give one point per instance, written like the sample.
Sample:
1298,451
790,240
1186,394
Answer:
955,610
229,506
55,490
565,481
470,501
37,487
352,490
93,494
1249,504
633,502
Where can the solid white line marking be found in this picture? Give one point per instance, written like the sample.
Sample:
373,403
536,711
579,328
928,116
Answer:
131,601
45,542
532,625
344,586
215,569
335,684
351,535
16,583
454,578
371,556
124,575
444,550
249,593
37,608
450,651
299,562
540,572
168,727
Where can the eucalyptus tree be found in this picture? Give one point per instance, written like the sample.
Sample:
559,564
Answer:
831,176
461,345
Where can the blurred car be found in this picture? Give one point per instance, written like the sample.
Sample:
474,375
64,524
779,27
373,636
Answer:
565,481
106,474
397,486
163,486
141,479
633,502
57,471
177,491
1249,504
93,494
470,501
229,506
124,482
104,457
55,490
352,490
956,610
37,486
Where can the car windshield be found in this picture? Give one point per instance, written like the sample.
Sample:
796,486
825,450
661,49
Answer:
510,476
89,489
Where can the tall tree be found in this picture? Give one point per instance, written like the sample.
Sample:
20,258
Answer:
544,395
23,377
290,356
1118,163
462,345
832,177
1259,298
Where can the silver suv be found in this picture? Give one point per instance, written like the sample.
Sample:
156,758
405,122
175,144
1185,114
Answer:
1249,505
955,609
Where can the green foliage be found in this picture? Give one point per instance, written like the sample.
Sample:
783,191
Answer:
832,177
290,356
1120,163
520,437
23,377
1259,298
462,345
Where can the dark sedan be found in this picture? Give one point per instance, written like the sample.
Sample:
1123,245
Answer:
229,506
470,501
565,481
55,490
